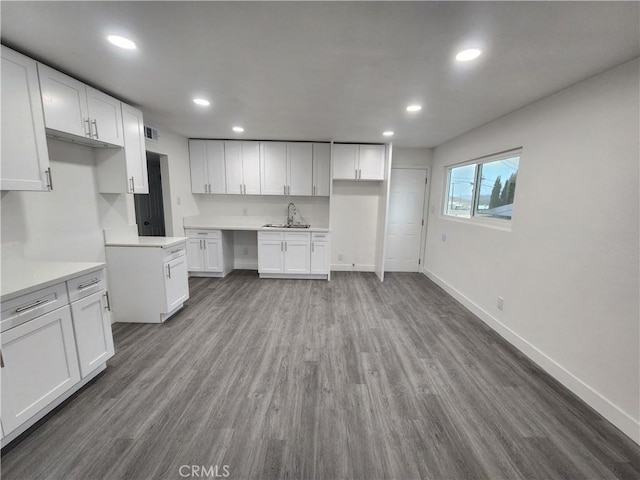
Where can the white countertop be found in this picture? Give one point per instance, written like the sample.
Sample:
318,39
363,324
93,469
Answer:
157,242
21,277
209,226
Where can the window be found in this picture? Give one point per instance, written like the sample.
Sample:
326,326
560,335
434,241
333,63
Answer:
483,189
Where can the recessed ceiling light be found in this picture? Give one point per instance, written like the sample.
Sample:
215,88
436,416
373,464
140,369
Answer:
414,108
122,42
201,101
468,55
388,133
238,129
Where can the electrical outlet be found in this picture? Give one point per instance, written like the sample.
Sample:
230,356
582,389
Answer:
444,237
178,200
432,209
340,257
500,303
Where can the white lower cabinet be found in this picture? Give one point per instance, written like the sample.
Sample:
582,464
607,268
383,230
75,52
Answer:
40,363
54,340
293,254
320,253
92,328
176,284
209,253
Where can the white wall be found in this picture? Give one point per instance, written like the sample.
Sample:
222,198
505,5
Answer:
412,157
260,209
568,270
354,225
64,224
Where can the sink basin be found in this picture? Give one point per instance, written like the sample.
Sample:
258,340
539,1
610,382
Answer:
286,225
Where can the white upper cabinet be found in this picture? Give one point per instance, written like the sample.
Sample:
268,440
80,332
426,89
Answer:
206,158
106,117
299,169
74,109
242,167
358,162
24,161
321,169
371,162
273,168
286,168
124,170
345,161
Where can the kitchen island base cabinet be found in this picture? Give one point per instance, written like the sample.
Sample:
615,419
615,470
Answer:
148,283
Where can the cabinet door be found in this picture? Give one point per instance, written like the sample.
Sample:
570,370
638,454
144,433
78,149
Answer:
213,255
195,254
176,282
233,167
345,161
198,165
92,329
296,256
65,102
270,256
321,169
40,364
273,168
251,167
371,162
300,168
215,166
24,156
105,115
320,257
135,154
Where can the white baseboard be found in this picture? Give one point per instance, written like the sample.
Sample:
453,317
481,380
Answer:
627,424
343,267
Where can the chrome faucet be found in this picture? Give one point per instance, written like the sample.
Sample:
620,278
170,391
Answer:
289,214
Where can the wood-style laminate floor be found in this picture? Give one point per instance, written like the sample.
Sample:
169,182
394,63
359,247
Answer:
301,379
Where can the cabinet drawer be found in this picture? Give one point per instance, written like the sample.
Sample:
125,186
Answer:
320,236
298,236
85,285
174,252
32,305
204,233
270,235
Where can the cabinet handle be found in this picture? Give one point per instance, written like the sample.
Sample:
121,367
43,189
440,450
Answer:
314,190
108,305
35,304
245,188
87,130
240,189
49,178
88,284
169,270
313,247
95,124
285,246
360,174
133,185
282,246
1,360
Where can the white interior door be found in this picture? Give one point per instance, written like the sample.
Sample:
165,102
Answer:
404,227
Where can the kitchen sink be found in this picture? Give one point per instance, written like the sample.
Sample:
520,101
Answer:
286,225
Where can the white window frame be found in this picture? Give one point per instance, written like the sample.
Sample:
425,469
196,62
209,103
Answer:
498,223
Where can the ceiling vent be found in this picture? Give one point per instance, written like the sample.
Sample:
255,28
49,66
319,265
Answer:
151,133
